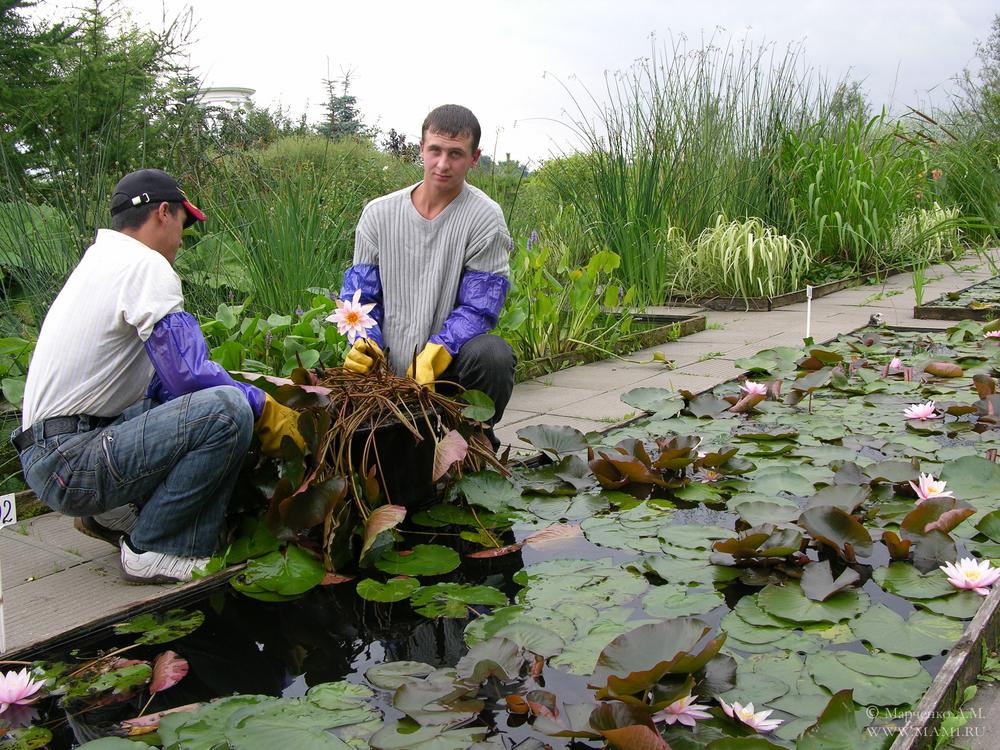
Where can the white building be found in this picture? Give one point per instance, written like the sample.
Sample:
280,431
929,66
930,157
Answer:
225,97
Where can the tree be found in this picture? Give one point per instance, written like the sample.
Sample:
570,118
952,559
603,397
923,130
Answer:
342,119
396,144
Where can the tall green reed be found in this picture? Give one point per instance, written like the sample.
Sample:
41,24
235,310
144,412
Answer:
682,137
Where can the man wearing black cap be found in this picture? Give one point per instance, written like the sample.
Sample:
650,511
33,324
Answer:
153,475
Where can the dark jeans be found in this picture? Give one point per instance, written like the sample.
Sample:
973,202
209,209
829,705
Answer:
485,363
177,461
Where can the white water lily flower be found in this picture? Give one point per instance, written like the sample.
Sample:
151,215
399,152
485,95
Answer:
683,711
745,714
18,689
352,317
921,411
929,487
969,573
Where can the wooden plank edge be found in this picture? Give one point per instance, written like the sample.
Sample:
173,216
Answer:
960,669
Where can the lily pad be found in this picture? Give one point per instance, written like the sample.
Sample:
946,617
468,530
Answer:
903,579
870,687
818,583
962,605
673,600
394,590
659,401
788,602
162,627
923,634
422,560
839,728
454,599
390,675
971,477
553,440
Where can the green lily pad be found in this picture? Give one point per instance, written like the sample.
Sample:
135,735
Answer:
480,406
990,525
553,440
788,602
659,401
454,599
406,734
162,627
962,605
534,638
393,590
772,480
971,477
693,536
840,728
490,490
422,560
674,600
903,579
391,675
829,671
923,634
675,570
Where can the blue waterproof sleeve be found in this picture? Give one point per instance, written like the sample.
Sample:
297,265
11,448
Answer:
179,355
366,277
477,308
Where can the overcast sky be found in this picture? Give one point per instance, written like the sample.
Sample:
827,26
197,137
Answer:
505,60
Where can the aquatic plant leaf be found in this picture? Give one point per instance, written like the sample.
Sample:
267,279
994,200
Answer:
844,496
789,603
962,605
838,728
743,743
289,573
44,737
636,660
872,686
573,721
893,472
654,400
553,440
692,536
404,734
533,638
162,627
480,406
675,570
449,450
378,532
454,599
944,369
673,600
497,657
554,534
168,670
940,513
990,525
971,477
489,490
899,549
626,727
772,480
631,467
761,541
394,590
923,634
818,584
422,560
838,530
706,404
340,695
905,580
254,540
391,675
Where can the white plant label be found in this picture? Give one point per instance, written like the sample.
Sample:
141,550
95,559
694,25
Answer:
8,510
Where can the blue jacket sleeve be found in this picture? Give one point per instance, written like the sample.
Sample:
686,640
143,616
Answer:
477,308
366,278
179,355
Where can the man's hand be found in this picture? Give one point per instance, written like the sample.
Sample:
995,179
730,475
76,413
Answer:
431,362
361,358
276,421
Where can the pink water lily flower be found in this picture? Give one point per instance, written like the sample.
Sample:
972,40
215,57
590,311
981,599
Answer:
352,317
17,689
992,334
929,487
745,714
683,711
969,573
921,411
750,388
895,364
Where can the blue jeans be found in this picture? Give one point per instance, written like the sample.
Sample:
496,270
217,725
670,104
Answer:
177,461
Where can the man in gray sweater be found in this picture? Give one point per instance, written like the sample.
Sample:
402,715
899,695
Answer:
433,259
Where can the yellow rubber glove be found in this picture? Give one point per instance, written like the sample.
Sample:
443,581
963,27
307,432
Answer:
275,421
361,358
431,362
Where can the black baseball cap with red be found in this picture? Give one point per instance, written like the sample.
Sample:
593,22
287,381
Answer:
152,186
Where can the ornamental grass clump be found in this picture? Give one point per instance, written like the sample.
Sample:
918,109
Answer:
928,235
743,259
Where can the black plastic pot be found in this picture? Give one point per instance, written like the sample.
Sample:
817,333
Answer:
406,464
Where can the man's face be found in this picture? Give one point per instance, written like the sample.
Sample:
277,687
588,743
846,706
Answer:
447,160
173,229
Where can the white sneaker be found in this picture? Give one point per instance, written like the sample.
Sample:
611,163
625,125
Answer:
156,567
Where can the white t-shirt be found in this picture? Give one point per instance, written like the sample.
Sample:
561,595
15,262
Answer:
90,357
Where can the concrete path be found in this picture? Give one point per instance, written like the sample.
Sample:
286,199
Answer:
56,580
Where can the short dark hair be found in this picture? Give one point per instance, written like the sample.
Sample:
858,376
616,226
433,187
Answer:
134,217
452,120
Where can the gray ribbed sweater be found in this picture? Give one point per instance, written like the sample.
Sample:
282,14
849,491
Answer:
421,261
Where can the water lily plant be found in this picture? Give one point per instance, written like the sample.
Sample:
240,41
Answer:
969,573
929,487
922,411
746,715
352,317
17,689
683,711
